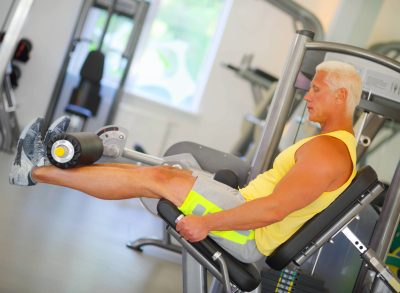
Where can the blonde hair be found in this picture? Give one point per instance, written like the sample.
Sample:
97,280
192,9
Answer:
343,75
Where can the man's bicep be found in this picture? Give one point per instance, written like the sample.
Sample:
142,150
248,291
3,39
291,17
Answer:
302,185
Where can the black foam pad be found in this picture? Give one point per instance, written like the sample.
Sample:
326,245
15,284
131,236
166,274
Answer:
227,177
322,222
244,275
88,148
93,67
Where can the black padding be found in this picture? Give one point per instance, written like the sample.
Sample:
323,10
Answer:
228,177
219,161
92,68
88,148
319,224
245,276
85,98
265,75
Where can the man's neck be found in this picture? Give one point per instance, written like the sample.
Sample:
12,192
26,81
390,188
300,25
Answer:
340,124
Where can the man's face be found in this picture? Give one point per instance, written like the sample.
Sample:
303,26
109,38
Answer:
319,98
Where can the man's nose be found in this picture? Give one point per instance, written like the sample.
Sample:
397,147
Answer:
307,96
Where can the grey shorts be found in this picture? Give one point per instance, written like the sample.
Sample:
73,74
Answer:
210,196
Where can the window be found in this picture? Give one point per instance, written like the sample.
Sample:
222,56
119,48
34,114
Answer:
178,52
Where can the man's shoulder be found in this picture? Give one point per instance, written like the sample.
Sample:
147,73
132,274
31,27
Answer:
324,150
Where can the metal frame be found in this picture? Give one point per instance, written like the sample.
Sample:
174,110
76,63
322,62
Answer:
302,15
139,15
16,18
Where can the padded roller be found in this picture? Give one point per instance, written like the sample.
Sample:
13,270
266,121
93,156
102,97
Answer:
69,150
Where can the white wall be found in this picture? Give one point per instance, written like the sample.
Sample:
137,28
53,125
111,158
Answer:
387,25
254,26
49,27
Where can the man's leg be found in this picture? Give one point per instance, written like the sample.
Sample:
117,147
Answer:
109,181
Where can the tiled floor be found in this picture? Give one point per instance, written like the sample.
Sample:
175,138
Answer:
57,240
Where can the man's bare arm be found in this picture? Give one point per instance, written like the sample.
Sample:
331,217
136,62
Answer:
322,164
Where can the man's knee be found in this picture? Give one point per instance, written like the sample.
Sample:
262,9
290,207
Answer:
172,182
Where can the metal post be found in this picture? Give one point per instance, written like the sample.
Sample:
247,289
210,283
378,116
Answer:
280,107
140,16
13,32
110,12
302,15
385,228
194,275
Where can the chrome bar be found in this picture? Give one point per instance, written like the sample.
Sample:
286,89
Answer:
280,106
196,254
12,35
142,158
140,17
354,51
299,13
389,218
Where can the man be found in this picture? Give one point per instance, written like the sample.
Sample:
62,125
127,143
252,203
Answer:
253,221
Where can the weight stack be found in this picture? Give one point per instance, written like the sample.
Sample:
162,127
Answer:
290,281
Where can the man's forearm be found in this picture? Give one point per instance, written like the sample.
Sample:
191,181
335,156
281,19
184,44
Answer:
251,215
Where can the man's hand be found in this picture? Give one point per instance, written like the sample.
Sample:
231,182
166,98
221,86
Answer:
192,228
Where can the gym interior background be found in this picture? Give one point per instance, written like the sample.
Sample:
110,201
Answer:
55,240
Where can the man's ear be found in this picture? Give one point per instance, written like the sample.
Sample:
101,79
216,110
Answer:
341,95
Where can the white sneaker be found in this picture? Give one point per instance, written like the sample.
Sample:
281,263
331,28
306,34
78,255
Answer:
30,153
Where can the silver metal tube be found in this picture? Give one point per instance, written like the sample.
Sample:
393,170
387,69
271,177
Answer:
299,13
142,158
8,16
371,128
140,16
193,274
384,229
225,273
84,11
280,107
354,51
110,12
196,254
13,32
389,218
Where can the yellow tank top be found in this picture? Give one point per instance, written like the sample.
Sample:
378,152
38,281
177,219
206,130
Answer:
270,237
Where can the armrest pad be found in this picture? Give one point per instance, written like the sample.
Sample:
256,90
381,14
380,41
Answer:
244,275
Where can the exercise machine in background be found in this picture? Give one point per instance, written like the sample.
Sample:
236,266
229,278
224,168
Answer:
12,49
95,67
262,88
